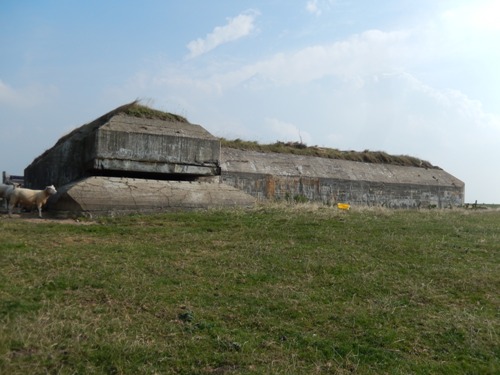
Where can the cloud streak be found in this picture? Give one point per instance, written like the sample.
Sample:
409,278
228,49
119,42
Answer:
236,28
369,53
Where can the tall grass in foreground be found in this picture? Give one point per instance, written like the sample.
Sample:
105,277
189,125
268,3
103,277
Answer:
273,290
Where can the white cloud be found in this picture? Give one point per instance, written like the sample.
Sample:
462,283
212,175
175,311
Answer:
468,113
372,52
480,15
316,7
236,28
399,113
362,55
312,7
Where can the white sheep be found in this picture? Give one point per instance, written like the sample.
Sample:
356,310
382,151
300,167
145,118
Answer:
30,198
5,192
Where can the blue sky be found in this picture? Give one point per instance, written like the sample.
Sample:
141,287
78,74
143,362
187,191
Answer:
417,78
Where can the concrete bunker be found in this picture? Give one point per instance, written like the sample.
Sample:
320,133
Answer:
137,159
134,159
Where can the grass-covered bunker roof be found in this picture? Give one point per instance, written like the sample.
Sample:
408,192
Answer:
297,148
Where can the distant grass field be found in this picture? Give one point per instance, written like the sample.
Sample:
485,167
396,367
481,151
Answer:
273,290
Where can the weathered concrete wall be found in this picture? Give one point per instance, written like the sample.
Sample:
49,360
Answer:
281,176
134,144
98,196
125,145
63,163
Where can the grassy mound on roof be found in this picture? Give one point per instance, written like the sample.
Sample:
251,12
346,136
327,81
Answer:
142,111
298,148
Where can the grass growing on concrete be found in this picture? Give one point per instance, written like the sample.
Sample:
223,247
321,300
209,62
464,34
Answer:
275,290
142,111
299,148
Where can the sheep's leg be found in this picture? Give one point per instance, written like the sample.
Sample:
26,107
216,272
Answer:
39,211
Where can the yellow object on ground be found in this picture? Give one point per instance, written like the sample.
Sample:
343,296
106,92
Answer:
344,206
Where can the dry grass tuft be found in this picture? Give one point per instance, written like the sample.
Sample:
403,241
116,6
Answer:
142,111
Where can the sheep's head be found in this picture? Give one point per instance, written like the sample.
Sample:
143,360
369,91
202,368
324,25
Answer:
51,190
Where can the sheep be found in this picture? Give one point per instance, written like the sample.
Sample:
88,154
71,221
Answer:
5,192
29,198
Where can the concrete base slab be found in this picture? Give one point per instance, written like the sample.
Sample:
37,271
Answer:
104,196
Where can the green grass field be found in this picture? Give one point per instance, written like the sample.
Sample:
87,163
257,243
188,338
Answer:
274,290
